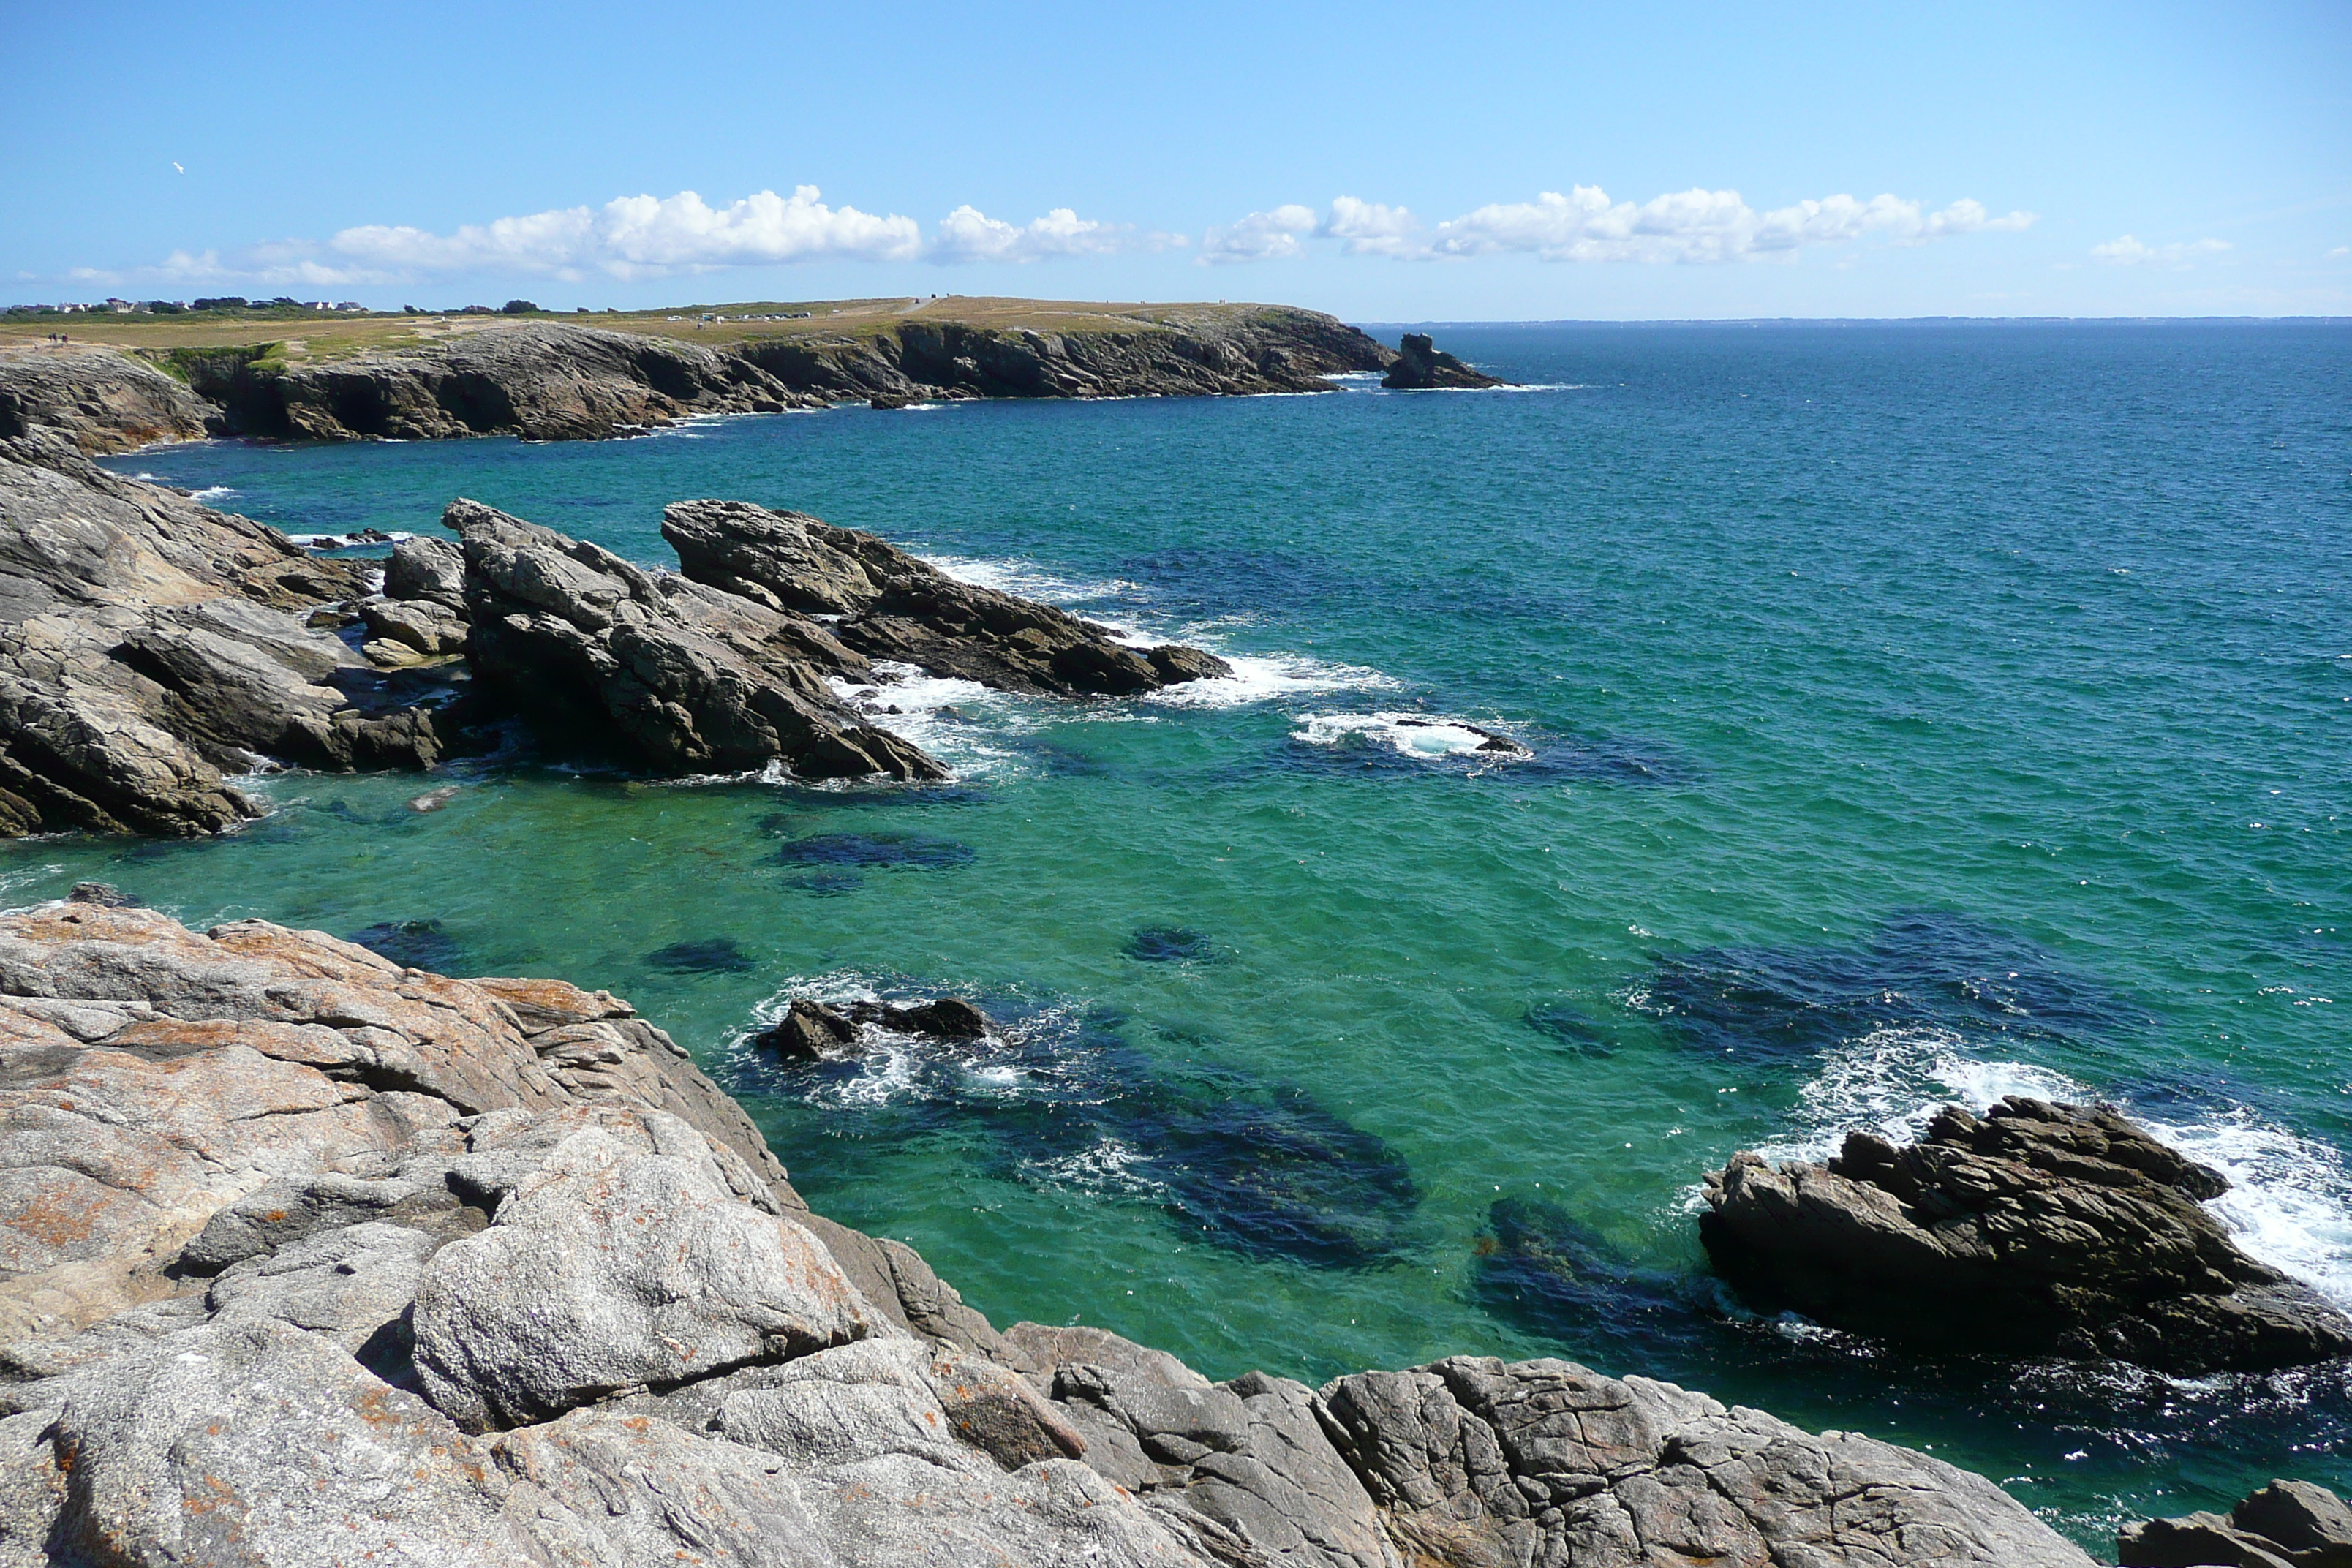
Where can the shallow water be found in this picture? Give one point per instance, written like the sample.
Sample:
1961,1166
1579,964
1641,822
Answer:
1916,713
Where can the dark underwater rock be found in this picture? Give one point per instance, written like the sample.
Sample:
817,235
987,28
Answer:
2287,1524
106,895
826,884
1571,1026
1169,944
1928,967
411,944
2041,1228
1255,1167
714,955
1542,1269
1422,366
875,850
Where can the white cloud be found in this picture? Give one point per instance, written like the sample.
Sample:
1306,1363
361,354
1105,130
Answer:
2340,253
1261,236
2127,251
1698,226
1587,226
968,233
642,237
1370,228
637,237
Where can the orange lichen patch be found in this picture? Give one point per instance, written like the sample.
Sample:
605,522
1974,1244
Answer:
546,1004
21,1029
53,1219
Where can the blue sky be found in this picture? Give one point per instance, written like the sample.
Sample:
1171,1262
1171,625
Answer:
1409,161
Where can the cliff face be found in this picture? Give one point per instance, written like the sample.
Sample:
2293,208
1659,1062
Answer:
556,382
99,400
309,1258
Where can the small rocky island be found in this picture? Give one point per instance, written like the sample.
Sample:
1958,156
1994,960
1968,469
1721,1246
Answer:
2035,1229
309,1258
1422,366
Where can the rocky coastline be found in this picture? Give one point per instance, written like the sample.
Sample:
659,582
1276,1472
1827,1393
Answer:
152,649
547,381
313,1258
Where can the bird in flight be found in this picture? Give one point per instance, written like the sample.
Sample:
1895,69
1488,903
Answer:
176,166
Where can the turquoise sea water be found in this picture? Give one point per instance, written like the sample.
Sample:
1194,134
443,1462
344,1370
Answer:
1920,712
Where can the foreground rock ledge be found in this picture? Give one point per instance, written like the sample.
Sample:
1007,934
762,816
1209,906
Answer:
307,1258
2287,1524
2038,1229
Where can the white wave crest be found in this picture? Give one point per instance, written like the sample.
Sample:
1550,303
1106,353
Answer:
1409,734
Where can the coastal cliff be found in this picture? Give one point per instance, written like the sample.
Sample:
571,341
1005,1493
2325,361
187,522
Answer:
551,381
308,1257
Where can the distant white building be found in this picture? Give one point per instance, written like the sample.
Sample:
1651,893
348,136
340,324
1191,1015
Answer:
354,306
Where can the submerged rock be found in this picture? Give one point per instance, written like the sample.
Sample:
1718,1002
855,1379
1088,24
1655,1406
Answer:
2039,1229
2287,1524
1422,366
1169,944
411,944
716,955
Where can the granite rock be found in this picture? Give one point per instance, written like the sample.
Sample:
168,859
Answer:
2038,1229
894,606
679,677
2287,1524
149,647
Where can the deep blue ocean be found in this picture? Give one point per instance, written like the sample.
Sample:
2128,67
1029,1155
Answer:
1920,712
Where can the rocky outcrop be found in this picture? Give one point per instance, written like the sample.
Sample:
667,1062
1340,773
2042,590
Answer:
1422,366
542,381
679,677
1476,1462
99,399
2039,1229
150,646
893,607
2287,1524
309,1258
548,381
1173,350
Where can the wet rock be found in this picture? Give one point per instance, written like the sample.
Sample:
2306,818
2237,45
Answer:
889,401
105,895
1422,366
807,1031
717,955
683,678
432,800
894,606
2039,1229
150,646
947,1018
2287,1524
